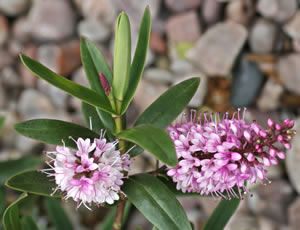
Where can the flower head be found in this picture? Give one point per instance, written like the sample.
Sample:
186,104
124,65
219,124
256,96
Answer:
217,155
91,174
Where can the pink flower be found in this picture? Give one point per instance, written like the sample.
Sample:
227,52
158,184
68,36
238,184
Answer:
216,157
91,174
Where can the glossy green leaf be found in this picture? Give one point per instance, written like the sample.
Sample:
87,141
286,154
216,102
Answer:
156,202
107,120
2,119
90,112
107,223
54,131
28,223
155,228
87,95
221,214
34,182
137,67
170,104
153,139
94,63
2,199
11,167
11,219
57,215
122,57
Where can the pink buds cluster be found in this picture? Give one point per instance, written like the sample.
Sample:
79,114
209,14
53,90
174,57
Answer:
218,156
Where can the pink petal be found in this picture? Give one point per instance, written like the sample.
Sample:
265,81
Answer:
235,156
232,167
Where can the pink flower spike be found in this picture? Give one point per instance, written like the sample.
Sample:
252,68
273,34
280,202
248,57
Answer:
235,156
271,123
247,135
104,83
291,124
215,156
281,155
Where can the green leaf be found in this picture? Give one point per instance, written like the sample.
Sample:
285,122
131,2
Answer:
34,182
2,199
2,119
54,131
153,139
170,104
107,120
11,167
137,67
155,228
94,63
11,219
28,223
107,223
57,215
221,214
122,57
156,202
90,112
87,95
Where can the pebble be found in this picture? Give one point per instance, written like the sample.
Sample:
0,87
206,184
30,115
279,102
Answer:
52,20
13,7
246,83
262,36
8,135
240,11
2,96
56,95
21,29
94,29
270,95
294,214
103,10
289,71
158,75
135,10
242,222
147,92
272,200
293,158
277,10
217,49
10,78
25,144
4,30
179,5
183,27
211,11
182,67
63,59
33,104
292,28
8,60
198,98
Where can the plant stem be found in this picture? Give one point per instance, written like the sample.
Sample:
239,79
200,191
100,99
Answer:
119,216
122,145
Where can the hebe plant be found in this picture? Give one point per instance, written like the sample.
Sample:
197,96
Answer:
91,165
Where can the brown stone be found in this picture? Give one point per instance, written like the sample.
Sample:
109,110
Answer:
157,43
63,59
184,27
179,5
4,30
